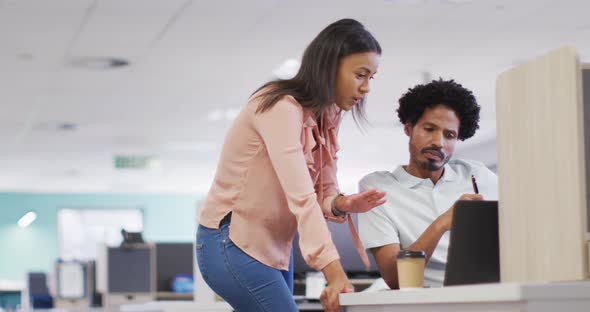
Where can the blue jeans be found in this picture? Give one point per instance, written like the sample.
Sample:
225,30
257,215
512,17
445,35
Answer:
244,282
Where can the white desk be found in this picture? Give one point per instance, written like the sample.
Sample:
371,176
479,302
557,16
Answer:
177,306
509,297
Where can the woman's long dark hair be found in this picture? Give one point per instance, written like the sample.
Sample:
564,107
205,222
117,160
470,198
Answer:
313,86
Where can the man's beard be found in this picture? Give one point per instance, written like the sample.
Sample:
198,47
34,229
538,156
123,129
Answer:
430,164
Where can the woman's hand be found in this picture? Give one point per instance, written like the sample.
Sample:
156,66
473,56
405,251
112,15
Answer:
337,283
360,202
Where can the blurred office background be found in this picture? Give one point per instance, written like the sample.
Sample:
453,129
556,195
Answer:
123,104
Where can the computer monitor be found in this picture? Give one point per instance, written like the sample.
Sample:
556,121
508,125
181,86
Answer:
349,257
131,274
474,252
172,259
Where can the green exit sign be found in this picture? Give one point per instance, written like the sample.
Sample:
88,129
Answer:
133,162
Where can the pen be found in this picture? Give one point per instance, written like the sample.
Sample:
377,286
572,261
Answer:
475,189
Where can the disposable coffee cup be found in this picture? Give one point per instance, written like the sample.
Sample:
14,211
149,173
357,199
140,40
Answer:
410,269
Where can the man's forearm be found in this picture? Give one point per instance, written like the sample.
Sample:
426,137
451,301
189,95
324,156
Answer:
429,239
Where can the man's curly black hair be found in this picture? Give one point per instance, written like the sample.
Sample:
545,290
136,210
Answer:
441,92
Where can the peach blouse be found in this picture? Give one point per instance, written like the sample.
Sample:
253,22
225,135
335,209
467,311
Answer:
277,174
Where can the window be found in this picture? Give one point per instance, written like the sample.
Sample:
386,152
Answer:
80,231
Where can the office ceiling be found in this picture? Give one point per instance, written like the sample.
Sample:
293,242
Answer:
67,109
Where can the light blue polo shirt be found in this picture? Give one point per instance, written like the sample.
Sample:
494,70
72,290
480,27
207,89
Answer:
414,203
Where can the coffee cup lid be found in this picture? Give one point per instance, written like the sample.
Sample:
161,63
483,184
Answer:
411,254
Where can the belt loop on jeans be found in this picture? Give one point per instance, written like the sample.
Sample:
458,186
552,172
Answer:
225,220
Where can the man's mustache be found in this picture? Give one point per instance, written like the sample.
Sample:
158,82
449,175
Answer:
440,153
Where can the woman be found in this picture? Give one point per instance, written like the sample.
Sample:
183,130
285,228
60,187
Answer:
277,175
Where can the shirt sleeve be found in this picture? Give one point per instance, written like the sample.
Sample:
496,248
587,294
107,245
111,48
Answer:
376,228
280,129
330,185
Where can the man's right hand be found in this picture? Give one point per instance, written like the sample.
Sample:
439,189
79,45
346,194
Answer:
446,219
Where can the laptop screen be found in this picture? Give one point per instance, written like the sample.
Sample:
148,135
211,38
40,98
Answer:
473,256
586,98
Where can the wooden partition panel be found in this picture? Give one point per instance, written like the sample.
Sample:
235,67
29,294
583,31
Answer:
541,169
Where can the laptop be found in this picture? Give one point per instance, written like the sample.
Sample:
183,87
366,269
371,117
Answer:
473,256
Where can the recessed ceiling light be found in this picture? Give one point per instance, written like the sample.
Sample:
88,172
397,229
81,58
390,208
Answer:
231,113
215,115
66,126
55,126
99,62
287,70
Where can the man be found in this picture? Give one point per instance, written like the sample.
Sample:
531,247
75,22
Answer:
420,196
